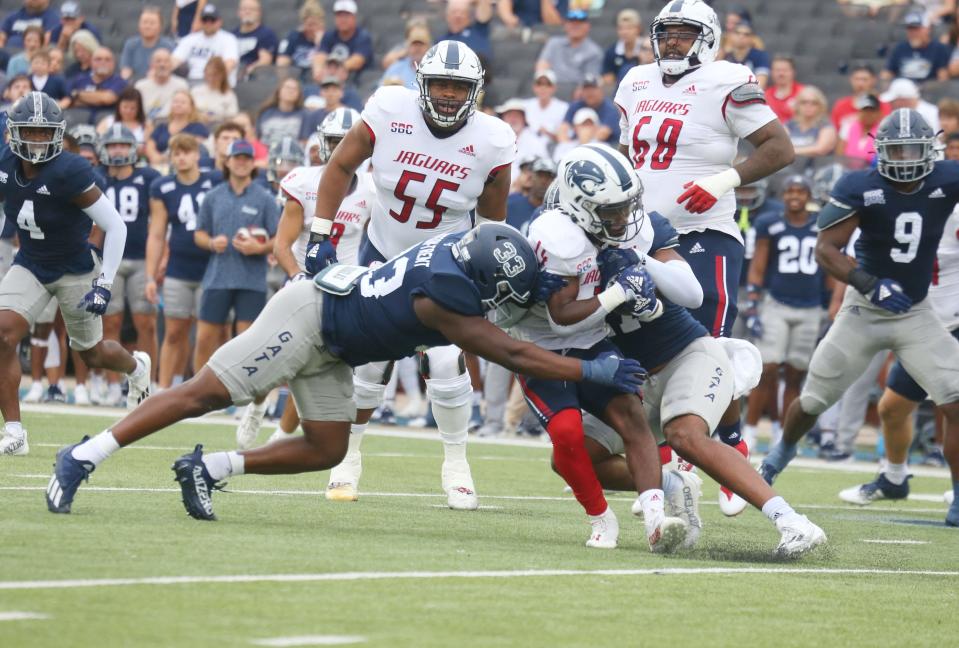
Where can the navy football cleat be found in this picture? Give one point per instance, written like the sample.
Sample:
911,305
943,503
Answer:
878,489
67,475
768,473
196,484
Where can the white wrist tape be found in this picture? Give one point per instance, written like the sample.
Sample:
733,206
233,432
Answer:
321,226
721,183
612,297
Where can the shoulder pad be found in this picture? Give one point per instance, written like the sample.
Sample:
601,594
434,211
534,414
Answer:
558,235
390,99
833,213
747,93
168,186
499,134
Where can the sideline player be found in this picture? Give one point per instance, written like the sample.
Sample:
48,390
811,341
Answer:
311,334
435,158
901,208
682,120
128,188
53,197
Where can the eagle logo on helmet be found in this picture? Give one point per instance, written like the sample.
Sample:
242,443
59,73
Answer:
586,176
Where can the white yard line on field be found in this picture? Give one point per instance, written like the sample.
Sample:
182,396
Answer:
22,616
897,542
310,640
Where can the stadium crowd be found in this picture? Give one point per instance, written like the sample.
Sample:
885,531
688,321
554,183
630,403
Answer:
174,86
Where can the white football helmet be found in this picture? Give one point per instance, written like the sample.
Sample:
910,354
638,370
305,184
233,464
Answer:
601,192
312,147
334,128
693,13
449,60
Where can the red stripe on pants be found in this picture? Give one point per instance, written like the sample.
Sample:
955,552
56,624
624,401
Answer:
721,292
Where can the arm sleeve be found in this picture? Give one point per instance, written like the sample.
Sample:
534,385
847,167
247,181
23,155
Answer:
204,220
105,215
676,281
594,320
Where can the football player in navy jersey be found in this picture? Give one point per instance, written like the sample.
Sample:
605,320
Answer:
53,197
901,208
128,188
312,333
174,203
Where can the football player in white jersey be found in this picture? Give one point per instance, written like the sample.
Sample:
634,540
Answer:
682,119
434,159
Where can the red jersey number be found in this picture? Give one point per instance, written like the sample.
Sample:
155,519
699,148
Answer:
666,141
432,202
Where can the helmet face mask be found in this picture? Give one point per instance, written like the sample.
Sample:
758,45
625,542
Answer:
751,196
285,155
36,126
905,147
116,136
333,129
692,20
448,105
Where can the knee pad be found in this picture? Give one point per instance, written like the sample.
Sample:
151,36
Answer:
566,428
369,384
812,406
450,392
442,362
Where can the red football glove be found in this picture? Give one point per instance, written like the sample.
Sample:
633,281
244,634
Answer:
702,194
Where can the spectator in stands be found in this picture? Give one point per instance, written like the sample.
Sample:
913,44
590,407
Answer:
33,12
809,129
261,151
948,116
282,114
624,53
587,128
521,205
591,95
573,56
418,41
183,117
212,40
544,112
856,135
334,68
952,147
918,57
530,13
130,113
862,80
257,42
223,136
138,50
331,94
82,46
16,88
235,277
56,61
297,48
470,27
742,50
99,89
72,20
781,95
903,93
528,143
160,84
186,17
214,98
32,42
54,85
735,15
346,39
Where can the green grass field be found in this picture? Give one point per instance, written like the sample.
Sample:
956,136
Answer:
397,568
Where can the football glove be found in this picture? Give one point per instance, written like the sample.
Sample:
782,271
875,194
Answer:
888,294
702,194
97,299
320,252
623,374
612,261
546,284
753,324
641,300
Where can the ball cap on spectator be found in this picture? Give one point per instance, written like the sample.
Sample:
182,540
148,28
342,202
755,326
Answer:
577,14
900,89
549,75
331,80
915,19
210,11
584,115
70,9
511,104
337,56
420,34
542,165
864,101
240,147
349,6
590,80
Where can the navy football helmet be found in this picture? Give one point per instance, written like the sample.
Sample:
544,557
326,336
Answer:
824,180
118,134
285,155
905,146
36,111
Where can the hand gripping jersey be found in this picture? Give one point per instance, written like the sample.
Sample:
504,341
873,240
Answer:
376,321
688,131
131,197
562,248
792,275
426,185
900,232
944,291
300,185
53,232
182,202
655,343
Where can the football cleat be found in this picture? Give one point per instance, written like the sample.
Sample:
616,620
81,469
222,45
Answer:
491,429
35,393
383,416
279,435
934,458
605,531
249,426
345,479
139,388
730,503
952,516
949,497
68,472
878,489
799,535
196,484
683,503
80,395
54,395
768,473
458,486
476,419
667,536
14,446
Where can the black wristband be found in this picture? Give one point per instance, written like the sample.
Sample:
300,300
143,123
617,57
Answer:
861,280
318,238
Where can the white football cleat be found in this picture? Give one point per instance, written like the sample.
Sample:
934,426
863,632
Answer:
139,388
949,496
730,503
683,503
249,426
605,531
458,485
279,434
80,395
799,535
667,536
14,446
344,481
35,393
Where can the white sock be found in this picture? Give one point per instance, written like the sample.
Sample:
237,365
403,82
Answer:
601,516
750,432
97,449
477,398
139,370
776,508
356,438
896,473
221,465
671,482
453,423
258,409
652,504
777,433
14,429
